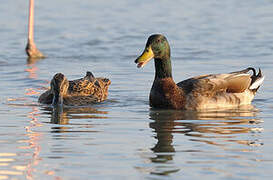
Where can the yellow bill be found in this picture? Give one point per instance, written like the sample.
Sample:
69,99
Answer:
145,57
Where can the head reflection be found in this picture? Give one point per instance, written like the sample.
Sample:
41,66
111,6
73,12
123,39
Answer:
63,115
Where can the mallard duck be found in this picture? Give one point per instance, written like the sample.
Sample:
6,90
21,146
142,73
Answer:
79,92
202,92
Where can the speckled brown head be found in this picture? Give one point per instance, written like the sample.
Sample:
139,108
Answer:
59,85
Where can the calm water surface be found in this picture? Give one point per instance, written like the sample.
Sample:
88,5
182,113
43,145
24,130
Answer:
123,138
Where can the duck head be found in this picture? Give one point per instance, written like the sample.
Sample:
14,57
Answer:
157,47
59,86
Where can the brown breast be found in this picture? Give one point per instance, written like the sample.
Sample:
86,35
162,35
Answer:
166,94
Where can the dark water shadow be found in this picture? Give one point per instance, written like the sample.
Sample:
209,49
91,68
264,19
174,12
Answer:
73,119
64,115
218,128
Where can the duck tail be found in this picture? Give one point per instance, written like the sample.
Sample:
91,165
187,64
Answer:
256,80
89,75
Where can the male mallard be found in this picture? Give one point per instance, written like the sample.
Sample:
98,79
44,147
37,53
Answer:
197,93
77,92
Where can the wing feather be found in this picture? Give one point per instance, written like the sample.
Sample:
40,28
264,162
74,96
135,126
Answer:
211,84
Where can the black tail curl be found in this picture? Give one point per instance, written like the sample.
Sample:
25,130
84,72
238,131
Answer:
255,76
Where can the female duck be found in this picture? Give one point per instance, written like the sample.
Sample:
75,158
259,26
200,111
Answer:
79,92
197,93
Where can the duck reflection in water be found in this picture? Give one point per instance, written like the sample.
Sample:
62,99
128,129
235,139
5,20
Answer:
63,115
216,128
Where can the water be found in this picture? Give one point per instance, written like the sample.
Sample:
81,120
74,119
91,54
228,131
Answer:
123,138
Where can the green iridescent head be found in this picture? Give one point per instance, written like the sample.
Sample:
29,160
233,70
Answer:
157,47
